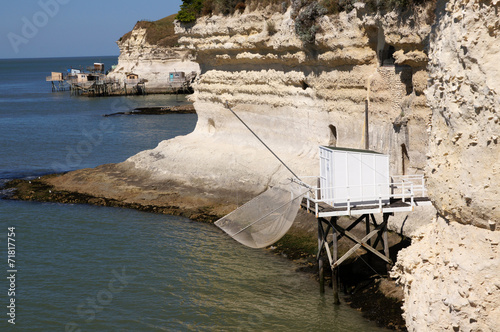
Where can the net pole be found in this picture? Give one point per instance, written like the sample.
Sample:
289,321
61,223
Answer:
267,147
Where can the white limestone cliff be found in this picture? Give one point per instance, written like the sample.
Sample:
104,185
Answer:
152,63
464,93
296,97
451,278
451,272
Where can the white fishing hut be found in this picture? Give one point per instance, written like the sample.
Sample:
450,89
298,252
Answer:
355,177
357,183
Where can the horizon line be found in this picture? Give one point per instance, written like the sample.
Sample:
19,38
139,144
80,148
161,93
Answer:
60,57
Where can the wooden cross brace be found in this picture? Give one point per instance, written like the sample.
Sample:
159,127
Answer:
339,232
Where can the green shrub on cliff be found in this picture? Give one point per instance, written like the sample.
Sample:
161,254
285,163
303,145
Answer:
305,26
190,10
306,12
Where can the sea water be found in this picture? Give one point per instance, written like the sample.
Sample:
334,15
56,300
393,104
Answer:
87,268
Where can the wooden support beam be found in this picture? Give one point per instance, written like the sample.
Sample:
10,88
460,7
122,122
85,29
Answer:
335,270
367,226
350,227
339,232
322,236
386,242
331,255
321,276
359,244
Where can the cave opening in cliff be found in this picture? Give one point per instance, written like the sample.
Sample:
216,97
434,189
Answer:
405,160
333,136
387,55
211,125
385,51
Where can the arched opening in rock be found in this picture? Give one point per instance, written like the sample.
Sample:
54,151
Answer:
385,51
405,160
333,136
387,55
211,125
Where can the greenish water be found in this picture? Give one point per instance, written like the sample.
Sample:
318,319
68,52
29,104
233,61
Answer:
86,268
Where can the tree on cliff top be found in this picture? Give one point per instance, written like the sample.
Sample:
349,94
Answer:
190,10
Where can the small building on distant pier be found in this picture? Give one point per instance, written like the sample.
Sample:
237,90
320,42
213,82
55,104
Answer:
132,78
177,76
81,78
57,80
99,67
55,76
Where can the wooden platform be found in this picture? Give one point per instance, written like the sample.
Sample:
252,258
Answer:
396,205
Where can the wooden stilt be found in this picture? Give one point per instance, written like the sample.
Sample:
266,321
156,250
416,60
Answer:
367,223
335,277
338,231
335,285
321,276
386,242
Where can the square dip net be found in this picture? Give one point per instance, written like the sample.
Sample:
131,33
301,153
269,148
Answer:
266,218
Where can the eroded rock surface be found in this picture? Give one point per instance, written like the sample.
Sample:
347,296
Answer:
464,151
450,277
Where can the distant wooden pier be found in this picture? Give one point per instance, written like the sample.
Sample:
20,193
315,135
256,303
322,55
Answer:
94,83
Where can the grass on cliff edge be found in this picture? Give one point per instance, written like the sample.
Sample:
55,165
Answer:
161,32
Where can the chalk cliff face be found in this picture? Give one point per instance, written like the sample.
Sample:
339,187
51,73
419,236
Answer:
151,62
297,97
450,272
431,96
464,154
450,277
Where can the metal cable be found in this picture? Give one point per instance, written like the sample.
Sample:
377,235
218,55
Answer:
274,154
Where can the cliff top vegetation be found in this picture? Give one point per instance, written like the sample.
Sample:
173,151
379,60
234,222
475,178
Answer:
192,9
161,32
305,12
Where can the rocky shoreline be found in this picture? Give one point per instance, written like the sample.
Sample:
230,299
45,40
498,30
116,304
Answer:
158,110
377,297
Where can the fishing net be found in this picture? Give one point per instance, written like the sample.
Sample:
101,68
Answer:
266,218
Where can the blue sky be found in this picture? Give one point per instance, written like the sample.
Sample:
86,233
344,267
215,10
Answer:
64,28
